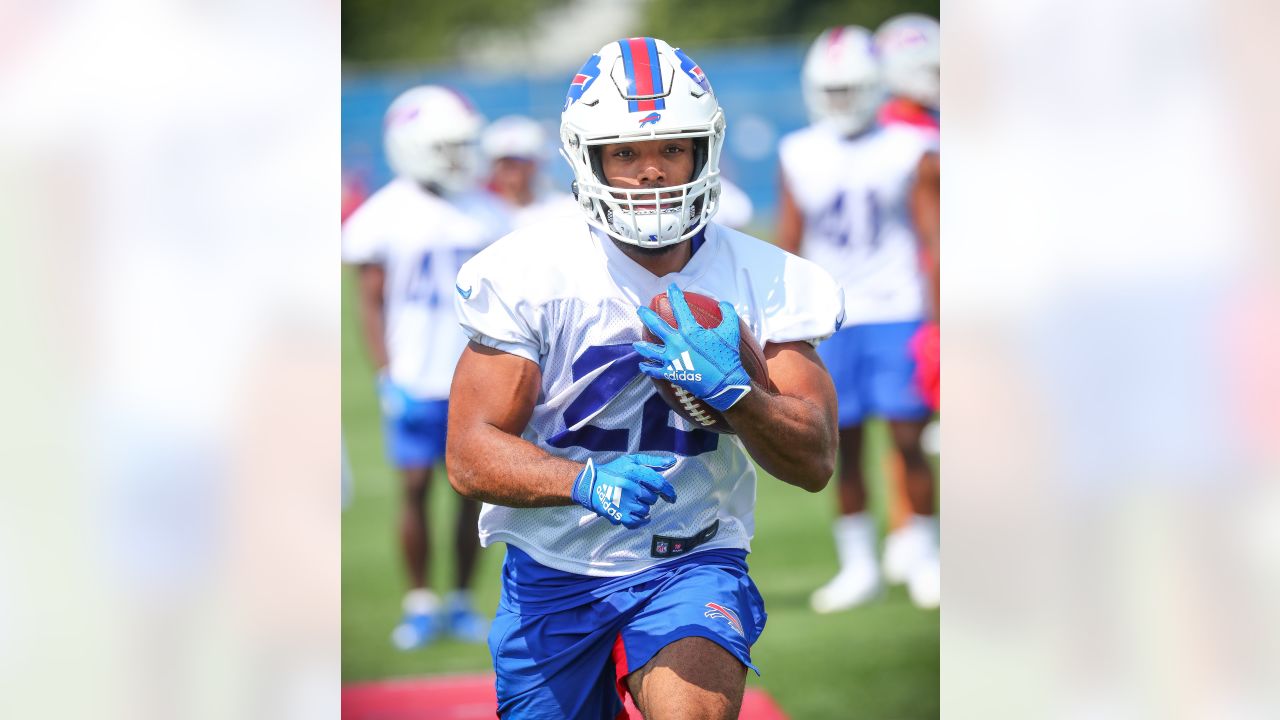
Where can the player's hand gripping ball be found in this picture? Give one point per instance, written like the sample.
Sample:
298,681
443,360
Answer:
707,359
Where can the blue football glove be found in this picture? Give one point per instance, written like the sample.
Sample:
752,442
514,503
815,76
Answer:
397,403
703,361
623,490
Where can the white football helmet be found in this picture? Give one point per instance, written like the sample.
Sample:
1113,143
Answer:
635,90
910,51
842,79
514,136
430,133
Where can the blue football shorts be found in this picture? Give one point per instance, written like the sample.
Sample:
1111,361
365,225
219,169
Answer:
419,443
874,372
564,643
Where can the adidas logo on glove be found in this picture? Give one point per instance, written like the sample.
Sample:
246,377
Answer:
676,370
610,497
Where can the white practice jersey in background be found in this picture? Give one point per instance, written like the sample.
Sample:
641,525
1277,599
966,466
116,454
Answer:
421,240
546,207
854,194
565,297
735,209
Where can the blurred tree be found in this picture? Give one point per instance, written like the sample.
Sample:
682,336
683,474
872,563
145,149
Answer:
426,30
690,24
430,30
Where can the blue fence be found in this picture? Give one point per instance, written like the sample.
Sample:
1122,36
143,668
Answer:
758,86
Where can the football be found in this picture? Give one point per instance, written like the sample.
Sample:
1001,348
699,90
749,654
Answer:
706,311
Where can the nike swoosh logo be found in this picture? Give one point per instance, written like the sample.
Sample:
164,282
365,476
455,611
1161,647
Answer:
466,294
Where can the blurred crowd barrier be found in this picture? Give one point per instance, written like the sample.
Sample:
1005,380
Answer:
758,84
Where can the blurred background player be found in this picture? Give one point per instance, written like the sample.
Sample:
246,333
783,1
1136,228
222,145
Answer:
908,46
736,209
408,241
516,147
909,50
845,202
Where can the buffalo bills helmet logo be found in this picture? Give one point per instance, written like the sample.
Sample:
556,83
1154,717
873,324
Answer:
694,72
587,75
650,119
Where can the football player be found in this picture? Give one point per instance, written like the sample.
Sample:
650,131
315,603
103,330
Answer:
909,52
908,48
515,148
627,528
408,241
846,194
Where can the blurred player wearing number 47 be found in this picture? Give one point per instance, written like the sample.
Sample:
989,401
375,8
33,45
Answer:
849,203
627,527
408,241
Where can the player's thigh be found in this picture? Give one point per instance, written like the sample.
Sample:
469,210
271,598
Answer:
691,679
906,434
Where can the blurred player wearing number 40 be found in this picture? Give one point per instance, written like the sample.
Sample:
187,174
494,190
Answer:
849,203
408,241
627,527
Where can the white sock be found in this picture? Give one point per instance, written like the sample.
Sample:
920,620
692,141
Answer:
926,525
421,601
855,540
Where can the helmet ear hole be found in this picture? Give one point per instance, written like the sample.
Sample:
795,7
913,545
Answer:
597,164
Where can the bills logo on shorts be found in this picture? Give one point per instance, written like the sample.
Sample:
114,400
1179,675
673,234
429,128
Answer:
587,75
719,611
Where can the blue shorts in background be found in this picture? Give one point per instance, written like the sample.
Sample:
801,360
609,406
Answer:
563,643
874,372
419,442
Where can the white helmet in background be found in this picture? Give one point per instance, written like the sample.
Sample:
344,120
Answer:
910,51
430,134
636,90
842,79
514,136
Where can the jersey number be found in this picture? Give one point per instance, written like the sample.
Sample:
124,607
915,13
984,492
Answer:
423,288
847,220
655,432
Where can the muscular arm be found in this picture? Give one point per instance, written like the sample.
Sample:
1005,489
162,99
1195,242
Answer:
372,280
792,433
790,221
490,402
926,211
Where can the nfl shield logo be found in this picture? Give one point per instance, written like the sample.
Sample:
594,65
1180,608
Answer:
662,547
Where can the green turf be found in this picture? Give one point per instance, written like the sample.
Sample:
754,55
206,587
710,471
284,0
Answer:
879,661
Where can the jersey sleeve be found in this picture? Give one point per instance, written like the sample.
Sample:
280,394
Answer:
811,308
492,308
363,240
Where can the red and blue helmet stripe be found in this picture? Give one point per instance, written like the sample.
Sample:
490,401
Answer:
644,74
587,75
694,72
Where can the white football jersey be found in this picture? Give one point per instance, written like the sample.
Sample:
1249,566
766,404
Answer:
546,207
421,239
564,296
854,194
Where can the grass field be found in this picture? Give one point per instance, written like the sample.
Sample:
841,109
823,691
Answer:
878,662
